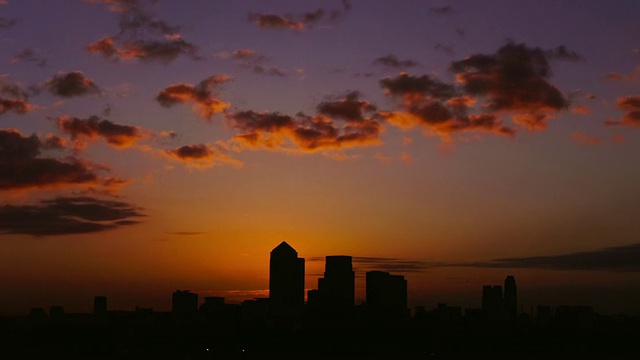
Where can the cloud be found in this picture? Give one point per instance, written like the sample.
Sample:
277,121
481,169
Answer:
437,107
142,36
30,56
273,21
6,23
630,104
201,155
632,77
339,123
513,80
71,84
392,61
386,264
441,10
21,168
16,100
562,53
249,59
488,87
67,215
163,50
447,49
120,136
620,258
200,95
305,20
582,138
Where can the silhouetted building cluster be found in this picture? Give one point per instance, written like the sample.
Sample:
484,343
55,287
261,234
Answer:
329,323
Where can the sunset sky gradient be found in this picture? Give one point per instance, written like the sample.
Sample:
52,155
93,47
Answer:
151,146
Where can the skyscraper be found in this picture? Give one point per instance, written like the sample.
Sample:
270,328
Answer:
184,302
510,298
386,290
337,288
492,302
286,277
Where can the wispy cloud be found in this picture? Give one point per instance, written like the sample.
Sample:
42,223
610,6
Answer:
202,156
392,61
620,258
142,36
67,215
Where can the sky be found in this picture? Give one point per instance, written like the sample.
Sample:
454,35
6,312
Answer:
161,145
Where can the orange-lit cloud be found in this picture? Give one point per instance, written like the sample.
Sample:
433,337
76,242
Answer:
273,21
16,99
200,95
201,155
513,81
93,128
306,20
630,104
617,76
583,138
341,123
142,36
67,215
21,168
437,107
164,50
71,84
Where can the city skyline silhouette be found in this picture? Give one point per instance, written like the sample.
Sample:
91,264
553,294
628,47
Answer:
480,155
329,323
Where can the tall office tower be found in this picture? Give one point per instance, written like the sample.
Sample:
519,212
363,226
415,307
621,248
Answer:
286,277
337,288
184,302
100,305
511,298
492,302
384,290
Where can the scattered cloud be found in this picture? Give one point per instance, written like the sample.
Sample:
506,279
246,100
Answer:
21,168
249,59
392,61
586,139
562,53
201,95
67,215
142,36
6,23
93,128
339,123
620,258
30,56
273,21
437,107
630,104
300,22
16,99
202,156
71,84
617,76
441,10
514,80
